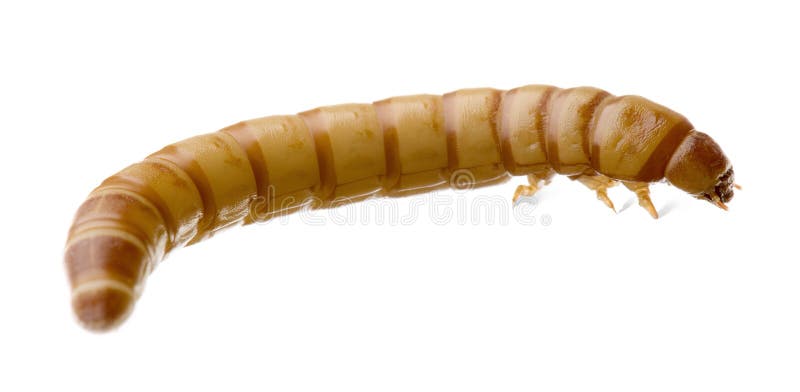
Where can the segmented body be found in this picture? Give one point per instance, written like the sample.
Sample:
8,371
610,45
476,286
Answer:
398,146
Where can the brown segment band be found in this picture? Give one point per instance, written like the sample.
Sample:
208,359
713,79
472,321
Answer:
450,111
102,304
540,124
590,114
124,211
105,257
391,144
537,125
551,133
594,154
324,150
189,165
245,136
494,110
453,117
655,166
506,154
137,186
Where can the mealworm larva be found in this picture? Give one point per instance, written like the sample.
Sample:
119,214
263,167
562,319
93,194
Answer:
257,169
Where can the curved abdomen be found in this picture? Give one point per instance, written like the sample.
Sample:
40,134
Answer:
255,169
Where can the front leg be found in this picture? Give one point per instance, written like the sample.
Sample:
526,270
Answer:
534,179
642,190
598,183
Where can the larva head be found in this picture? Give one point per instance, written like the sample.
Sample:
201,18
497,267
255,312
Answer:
700,168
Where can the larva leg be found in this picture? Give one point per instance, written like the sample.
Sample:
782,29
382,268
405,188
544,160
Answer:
642,190
598,183
534,178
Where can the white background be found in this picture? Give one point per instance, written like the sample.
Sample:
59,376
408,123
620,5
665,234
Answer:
700,300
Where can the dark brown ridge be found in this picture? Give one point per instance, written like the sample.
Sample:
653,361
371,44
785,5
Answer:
141,188
121,211
105,257
590,112
540,122
505,143
391,144
594,148
245,136
189,165
497,102
655,166
448,111
324,150
102,308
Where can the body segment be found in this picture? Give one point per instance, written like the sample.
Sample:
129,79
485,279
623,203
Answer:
398,146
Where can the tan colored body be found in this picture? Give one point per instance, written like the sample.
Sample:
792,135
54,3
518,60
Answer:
258,168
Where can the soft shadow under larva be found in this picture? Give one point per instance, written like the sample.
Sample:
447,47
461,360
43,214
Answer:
627,204
667,208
